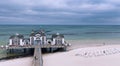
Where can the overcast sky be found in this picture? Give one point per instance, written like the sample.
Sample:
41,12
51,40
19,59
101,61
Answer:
78,12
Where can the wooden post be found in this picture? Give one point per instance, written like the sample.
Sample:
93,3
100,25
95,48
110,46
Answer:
8,51
64,48
51,50
24,50
11,51
48,49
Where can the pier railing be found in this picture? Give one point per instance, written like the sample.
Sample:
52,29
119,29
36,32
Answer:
31,46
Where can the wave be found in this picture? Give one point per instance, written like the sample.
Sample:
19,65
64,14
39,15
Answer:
4,34
10,34
69,33
65,34
99,32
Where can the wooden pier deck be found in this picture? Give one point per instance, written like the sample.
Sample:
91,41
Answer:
37,58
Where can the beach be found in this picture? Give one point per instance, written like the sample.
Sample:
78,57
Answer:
17,62
73,58
98,53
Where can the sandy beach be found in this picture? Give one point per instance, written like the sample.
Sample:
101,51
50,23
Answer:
17,62
74,58
80,54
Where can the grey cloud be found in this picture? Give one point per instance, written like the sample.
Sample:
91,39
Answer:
59,11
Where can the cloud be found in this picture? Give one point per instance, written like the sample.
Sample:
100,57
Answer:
59,11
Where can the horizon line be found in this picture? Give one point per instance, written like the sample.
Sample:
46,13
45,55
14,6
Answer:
59,24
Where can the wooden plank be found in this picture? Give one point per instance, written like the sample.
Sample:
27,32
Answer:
37,58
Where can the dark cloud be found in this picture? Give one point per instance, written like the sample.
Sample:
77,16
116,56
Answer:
60,12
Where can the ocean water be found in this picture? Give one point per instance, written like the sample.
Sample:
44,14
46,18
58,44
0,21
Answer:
71,32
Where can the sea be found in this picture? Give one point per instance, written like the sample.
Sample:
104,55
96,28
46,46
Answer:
71,32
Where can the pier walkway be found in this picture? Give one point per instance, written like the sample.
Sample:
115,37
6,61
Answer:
37,58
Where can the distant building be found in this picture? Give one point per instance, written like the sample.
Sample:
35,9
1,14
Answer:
26,41
16,39
58,39
36,37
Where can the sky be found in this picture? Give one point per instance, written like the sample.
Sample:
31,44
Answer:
64,12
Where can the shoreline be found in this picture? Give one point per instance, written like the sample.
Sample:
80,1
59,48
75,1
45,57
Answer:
91,43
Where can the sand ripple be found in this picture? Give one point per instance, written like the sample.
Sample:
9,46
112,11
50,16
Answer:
94,52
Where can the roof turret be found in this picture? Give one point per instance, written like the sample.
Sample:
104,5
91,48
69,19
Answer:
41,32
57,35
32,33
17,35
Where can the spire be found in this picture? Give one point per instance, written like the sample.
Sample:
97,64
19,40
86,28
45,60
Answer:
57,33
32,31
17,34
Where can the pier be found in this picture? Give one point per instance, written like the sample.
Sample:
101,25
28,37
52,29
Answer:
32,46
37,40
37,57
